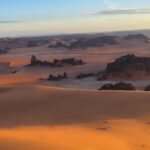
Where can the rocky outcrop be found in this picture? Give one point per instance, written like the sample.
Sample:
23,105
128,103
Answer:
82,75
107,87
118,86
56,62
69,61
128,66
58,77
147,88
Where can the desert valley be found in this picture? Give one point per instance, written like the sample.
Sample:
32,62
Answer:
75,92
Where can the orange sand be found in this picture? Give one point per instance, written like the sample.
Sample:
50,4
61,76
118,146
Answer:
122,135
46,118
36,117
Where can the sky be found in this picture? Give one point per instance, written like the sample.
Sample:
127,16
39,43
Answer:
46,17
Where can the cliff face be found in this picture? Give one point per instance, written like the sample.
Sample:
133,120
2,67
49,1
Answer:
128,66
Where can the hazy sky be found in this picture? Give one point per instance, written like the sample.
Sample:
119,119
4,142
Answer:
35,17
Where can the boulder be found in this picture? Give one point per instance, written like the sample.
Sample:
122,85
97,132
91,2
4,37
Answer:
124,86
107,87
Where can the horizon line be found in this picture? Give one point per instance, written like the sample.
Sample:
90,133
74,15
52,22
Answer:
70,33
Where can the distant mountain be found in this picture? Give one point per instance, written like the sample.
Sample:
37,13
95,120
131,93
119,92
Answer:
20,43
12,43
132,32
98,41
137,36
77,40
56,43
83,42
93,42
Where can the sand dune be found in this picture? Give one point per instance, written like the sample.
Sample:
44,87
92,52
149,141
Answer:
53,106
119,136
39,117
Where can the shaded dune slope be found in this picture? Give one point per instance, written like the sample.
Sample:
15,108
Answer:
33,105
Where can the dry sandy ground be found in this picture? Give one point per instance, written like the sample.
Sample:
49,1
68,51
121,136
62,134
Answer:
36,117
40,117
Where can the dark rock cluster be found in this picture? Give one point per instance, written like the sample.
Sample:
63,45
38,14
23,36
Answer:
127,67
56,62
118,86
58,77
147,88
71,61
82,75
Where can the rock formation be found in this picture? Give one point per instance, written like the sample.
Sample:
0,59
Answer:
34,60
82,75
147,88
118,86
58,77
107,87
56,62
128,66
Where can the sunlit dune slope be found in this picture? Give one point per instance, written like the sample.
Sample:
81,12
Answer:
40,117
120,135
